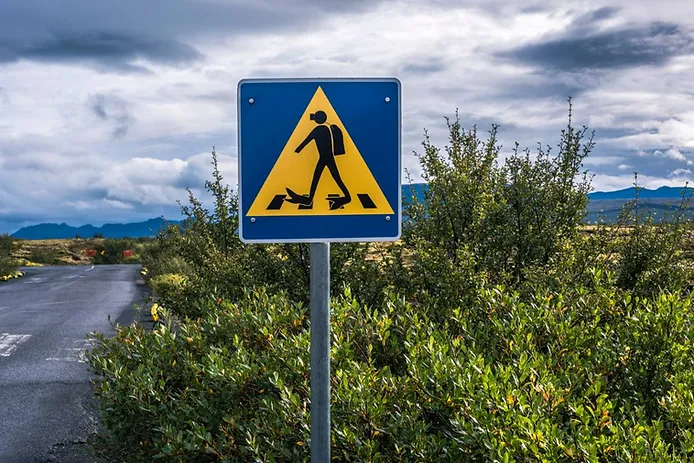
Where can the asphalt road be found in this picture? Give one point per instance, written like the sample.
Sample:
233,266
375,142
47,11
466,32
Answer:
45,319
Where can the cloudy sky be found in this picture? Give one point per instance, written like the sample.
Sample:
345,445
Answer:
109,109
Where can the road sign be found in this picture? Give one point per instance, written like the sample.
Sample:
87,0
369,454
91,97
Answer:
319,160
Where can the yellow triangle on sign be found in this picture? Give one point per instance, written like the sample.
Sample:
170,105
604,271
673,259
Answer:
344,184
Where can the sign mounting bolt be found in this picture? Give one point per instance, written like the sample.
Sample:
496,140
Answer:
387,99
251,101
387,218
252,219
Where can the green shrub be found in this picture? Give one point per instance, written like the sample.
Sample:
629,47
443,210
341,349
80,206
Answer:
495,331
6,244
651,254
172,290
509,218
584,379
7,266
286,268
161,255
110,251
45,256
7,263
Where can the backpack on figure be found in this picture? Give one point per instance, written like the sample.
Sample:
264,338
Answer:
338,140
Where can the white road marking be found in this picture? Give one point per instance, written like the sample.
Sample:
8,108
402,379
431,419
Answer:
72,354
35,280
10,342
91,268
52,303
79,357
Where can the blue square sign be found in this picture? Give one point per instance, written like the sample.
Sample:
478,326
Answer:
319,160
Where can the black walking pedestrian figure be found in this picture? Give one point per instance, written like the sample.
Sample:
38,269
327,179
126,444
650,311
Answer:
330,143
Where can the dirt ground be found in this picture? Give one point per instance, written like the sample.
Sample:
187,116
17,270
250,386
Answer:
54,252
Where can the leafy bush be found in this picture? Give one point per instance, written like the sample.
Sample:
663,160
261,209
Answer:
6,243
497,330
7,266
172,290
45,256
509,218
110,251
651,256
7,263
160,256
558,379
286,268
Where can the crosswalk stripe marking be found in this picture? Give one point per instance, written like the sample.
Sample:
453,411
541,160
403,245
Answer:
10,342
72,354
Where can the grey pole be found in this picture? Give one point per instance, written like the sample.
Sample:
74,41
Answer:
320,352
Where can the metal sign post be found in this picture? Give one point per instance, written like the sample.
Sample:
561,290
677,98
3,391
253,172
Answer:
320,352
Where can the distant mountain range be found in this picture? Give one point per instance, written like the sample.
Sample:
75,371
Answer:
664,192
627,194
605,204
46,231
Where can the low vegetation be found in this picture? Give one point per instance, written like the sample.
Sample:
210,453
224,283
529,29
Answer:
8,264
74,251
110,250
494,331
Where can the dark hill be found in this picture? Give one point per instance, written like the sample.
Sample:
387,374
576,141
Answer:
664,192
46,231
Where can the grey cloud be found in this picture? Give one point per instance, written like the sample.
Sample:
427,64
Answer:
114,67
603,13
650,45
113,110
653,165
37,216
537,8
158,17
592,18
218,96
109,35
97,104
64,181
27,163
597,160
543,88
332,6
467,120
434,123
121,129
108,50
199,170
424,66
606,133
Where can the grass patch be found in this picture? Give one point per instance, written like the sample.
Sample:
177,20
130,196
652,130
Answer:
44,256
